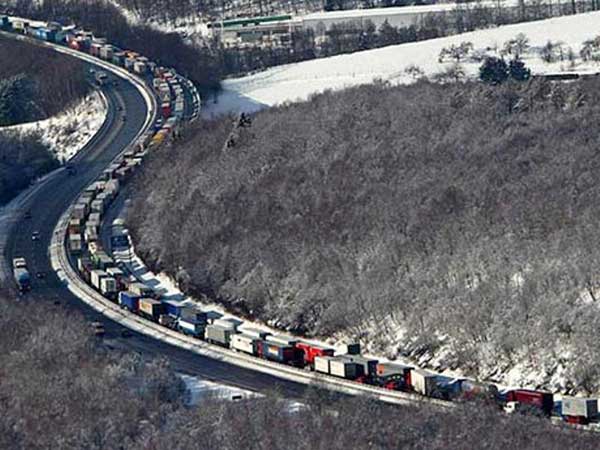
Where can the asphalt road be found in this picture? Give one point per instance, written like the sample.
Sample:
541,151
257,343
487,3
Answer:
49,203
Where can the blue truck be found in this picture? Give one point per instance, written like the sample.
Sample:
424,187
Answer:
129,300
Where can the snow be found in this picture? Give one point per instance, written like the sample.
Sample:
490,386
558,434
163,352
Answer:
68,132
398,10
296,82
199,389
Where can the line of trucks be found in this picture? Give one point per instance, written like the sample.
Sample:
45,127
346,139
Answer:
99,269
165,82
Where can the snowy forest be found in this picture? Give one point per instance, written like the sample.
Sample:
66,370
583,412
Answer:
61,387
454,224
37,84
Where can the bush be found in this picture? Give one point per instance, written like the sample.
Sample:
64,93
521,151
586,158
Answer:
493,71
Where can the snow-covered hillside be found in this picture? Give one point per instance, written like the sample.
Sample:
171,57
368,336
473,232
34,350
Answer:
298,81
69,132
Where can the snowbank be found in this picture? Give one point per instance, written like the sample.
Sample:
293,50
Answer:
69,131
199,389
296,82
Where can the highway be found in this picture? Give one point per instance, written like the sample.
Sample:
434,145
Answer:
50,201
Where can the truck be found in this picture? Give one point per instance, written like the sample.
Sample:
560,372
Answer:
579,410
310,351
245,343
345,368
544,401
96,276
423,382
129,300
19,263
256,333
286,354
191,326
119,277
142,290
322,363
150,308
349,349
369,365
108,287
217,334
193,314
173,307
394,376
281,339
75,243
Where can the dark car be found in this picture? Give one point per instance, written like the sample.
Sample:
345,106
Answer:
35,236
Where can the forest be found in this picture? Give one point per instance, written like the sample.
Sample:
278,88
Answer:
452,221
38,82
23,158
62,387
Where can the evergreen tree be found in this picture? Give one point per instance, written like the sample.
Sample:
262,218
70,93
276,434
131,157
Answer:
493,70
16,97
388,34
518,71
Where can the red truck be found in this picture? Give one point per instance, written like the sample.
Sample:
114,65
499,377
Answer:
312,350
537,399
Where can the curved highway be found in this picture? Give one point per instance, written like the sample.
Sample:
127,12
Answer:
51,199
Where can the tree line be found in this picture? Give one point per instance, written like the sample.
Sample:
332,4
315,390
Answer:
61,387
206,61
426,220
306,44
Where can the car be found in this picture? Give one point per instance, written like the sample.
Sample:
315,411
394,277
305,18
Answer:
27,215
35,236
124,118
98,328
70,169
119,108
40,275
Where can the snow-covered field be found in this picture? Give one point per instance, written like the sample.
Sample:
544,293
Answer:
295,82
69,131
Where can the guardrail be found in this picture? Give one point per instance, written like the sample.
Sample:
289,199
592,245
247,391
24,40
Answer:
69,276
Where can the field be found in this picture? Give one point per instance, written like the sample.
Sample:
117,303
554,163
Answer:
393,64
